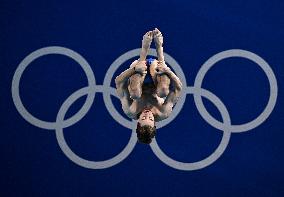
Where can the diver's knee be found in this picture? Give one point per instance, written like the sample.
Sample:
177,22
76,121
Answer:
163,85
135,93
163,91
135,86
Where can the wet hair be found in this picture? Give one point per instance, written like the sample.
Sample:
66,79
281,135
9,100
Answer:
145,133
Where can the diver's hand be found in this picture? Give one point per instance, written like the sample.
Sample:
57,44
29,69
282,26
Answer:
162,68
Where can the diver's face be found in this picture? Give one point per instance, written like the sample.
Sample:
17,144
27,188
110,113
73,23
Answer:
146,118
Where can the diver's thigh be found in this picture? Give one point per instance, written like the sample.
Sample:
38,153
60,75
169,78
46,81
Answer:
163,85
135,86
152,69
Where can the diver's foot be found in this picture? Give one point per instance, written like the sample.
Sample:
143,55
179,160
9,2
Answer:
147,39
158,37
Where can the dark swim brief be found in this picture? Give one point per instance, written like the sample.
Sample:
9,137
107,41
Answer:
148,77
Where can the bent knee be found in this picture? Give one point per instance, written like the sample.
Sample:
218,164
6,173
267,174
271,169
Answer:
135,93
163,91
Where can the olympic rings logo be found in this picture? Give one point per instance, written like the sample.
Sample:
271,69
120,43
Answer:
197,91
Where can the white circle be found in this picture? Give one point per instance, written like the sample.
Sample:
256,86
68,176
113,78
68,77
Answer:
244,54
66,149
218,151
24,64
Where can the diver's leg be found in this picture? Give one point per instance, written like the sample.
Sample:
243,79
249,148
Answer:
146,43
163,85
162,81
136,80
135,86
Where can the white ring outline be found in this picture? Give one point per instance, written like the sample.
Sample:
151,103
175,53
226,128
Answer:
74,157
189,166
198,92
247,55
25,63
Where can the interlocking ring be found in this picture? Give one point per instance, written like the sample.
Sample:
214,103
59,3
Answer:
269,74
109,91
29,59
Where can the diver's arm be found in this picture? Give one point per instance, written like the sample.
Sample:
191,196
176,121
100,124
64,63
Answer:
175,80
122,79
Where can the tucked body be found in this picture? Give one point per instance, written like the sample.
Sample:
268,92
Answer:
148,102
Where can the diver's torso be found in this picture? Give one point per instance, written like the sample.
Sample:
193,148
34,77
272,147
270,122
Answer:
148,100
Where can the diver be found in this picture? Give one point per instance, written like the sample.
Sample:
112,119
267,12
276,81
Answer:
148,90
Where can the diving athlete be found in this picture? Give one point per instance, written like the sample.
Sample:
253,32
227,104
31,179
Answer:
148,98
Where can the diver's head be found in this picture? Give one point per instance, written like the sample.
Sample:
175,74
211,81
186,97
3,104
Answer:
146,129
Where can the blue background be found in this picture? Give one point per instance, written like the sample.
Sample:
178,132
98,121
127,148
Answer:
32,164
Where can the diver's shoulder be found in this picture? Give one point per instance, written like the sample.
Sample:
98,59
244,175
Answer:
129,113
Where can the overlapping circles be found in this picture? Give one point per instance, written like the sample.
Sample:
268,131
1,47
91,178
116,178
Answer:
70,154
109,91
219,150
129,55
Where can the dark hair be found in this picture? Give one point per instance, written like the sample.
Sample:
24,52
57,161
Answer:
145,133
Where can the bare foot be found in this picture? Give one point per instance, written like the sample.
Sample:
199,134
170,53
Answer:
158,37
147,39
